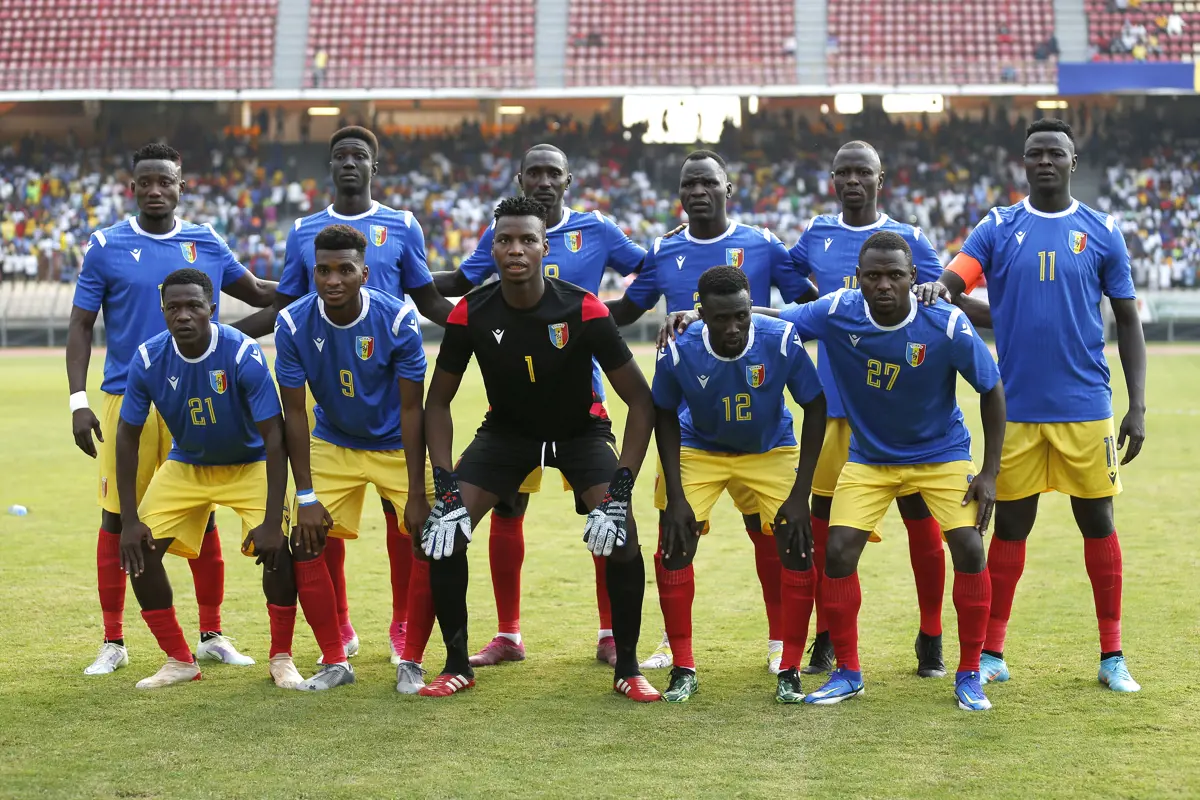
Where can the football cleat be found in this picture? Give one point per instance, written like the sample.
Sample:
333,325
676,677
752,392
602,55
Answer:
820,655
397,635
606,651
331,675
1115,675
283,671
992,670
637,689
445,685
682,686
774,656
351,646
969,692
661,657
498,651
842,685
408,677
112,657
788,690
171,672
929,656
220,648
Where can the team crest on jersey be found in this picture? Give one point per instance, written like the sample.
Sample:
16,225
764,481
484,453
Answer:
1078,241
573,240
189,251
365,346
756,374
735,256
378,235
915,354
218,381
558,334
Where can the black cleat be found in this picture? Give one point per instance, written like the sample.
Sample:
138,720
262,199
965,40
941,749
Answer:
821,652
929,656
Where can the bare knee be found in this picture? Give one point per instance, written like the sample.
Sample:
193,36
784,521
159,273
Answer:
842,552
1014,518
513,508
1094,517
966,550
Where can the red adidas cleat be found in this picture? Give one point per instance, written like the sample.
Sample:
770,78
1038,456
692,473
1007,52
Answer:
445,685
606,651
637,689
498,651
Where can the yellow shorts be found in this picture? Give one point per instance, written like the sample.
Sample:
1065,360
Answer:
1075,458
153,448
340,476
834,455
864,492
759,483
181,496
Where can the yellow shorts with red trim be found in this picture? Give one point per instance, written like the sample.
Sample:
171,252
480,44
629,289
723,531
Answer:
181,496
153,448
1079,459
759,483
340,476
864,492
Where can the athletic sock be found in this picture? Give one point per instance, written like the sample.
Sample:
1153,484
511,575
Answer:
165,626
111,581
420,613
208,574
283,628
797,599
335,562
448,578
820,529
843,598
506,554
676,591
928,559
400,559
972,600
1103,560
766,563
626,588
317,601
1006,562
603,604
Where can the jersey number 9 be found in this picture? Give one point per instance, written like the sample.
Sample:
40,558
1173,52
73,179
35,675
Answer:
198,407
877,371
346,378
740,408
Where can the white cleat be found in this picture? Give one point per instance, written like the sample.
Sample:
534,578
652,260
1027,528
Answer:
661,657
172,672
284,673
329,677
111,658
351,646
408,677
774,656
220,648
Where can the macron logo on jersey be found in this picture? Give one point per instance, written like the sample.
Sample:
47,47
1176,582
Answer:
416,326
320,343
679,262
703,381
499,334
967,330
174,382
137,255
854,340
827,243
1020,237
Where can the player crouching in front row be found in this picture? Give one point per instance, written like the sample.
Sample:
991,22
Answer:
212,387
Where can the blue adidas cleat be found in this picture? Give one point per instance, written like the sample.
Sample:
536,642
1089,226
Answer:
992,669
1115,675
842,685
969,692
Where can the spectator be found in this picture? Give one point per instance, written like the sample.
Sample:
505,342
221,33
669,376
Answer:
320,63
1175,25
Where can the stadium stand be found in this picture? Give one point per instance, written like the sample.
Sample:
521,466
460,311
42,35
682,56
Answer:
1120,30
136,44
428,43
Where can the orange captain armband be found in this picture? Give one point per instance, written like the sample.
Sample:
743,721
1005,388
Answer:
967,268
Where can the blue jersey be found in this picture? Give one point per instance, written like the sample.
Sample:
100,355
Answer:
898,382
122,271
1045,276
353,371
395,250
673,267
736,405
827,254
210,403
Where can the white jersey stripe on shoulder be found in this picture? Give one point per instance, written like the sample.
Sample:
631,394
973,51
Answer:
787,335
996,214
674,352
599,215
657,244
954,315
837,298
298,221
286,316
145,354
246,345
408,218
1108,223
100,238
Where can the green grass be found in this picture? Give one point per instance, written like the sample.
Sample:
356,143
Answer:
552,726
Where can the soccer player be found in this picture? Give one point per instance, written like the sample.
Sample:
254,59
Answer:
214,393
721,423
358,350
395,259
672,268
582,246
1048,260
536,338
123,268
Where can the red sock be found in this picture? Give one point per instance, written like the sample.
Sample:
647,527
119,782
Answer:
929,568
972,601
1103,560
798,591
319,604
283,627
766,563
843,598
820,529
506,552
602,603
208,573
111,581
165,627
1006,562
676,590
335,562
420,613
400,556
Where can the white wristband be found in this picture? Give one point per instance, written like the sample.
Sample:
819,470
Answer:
306,498
78,401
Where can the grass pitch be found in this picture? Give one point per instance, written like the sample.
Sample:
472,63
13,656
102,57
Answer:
552,726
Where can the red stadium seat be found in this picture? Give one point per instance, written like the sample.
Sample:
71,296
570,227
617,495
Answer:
1105,26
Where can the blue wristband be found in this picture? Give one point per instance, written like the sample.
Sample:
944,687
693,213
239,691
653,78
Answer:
306,498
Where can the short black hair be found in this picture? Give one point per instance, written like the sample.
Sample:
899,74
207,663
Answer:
722,280
1050,125
700,155
155,151
188,276
886,241
548,147
355,132
521,207
340,237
